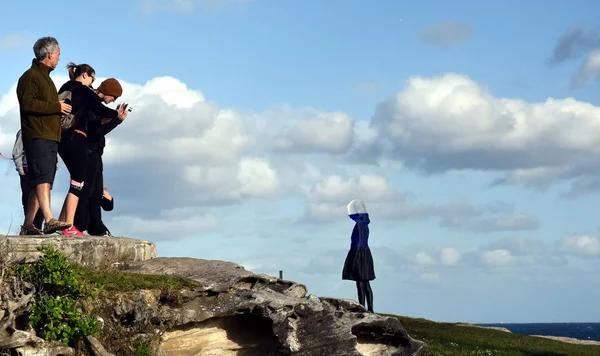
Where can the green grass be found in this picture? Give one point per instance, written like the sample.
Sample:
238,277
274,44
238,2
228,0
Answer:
449,339
114,280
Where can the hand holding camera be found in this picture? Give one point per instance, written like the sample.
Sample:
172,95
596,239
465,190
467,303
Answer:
124,107
123,110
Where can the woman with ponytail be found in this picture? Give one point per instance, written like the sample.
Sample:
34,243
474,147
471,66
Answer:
87,106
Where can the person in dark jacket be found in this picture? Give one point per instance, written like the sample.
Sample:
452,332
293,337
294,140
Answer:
87,107
40,112
88,216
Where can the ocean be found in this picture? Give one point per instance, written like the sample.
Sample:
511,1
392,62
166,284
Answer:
582,331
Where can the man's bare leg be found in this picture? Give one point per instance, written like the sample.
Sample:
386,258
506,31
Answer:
43,198
32,208
43,195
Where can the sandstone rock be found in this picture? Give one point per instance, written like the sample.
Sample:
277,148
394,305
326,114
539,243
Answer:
27,344
237,312
45,350
232,312
89,250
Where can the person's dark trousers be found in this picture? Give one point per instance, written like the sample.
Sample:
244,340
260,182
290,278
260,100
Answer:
93,171
74,153
25,191
96,226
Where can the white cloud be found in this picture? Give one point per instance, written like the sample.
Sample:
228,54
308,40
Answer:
449,256
165,227
451,122
583,246
328,198
190,153
179,124
424,259
326,133
589,72
335,188
256,177
518,246
507,253
497,258
251,177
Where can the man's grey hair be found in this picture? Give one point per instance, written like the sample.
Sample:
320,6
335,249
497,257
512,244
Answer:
45,46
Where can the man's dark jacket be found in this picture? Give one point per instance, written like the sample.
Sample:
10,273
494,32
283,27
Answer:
39,105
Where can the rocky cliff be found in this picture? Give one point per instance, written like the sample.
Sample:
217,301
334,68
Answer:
227,311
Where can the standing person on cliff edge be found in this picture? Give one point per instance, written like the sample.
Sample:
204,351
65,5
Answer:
40,112
88,216
73,148
359,265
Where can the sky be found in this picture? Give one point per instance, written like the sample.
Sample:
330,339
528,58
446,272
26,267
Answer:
471,130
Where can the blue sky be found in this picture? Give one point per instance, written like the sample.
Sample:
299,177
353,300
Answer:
256,122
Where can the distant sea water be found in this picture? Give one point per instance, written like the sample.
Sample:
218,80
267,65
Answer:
582,331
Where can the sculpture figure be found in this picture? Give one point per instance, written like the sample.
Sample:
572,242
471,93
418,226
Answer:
359,265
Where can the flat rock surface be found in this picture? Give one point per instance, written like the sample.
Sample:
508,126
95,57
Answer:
97,251
232,303
213,274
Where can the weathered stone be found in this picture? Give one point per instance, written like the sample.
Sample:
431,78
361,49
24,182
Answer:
18,338
45,350
237,311
88,250
232,312
27,344
221,336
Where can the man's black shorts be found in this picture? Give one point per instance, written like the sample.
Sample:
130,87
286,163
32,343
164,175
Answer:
42,158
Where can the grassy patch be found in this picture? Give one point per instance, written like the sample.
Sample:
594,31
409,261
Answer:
449,339
119,281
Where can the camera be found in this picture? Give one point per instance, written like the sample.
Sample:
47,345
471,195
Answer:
127,107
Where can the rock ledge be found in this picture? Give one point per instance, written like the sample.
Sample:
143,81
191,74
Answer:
90,250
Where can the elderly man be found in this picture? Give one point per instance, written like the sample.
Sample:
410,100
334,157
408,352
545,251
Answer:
40,112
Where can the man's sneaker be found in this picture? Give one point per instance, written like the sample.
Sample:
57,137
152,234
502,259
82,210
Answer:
30,230
54,225
72,231
85,233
